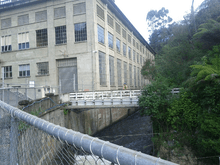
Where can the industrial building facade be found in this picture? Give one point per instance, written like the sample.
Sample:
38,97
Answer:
79,45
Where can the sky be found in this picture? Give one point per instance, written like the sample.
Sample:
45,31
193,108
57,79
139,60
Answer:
136,11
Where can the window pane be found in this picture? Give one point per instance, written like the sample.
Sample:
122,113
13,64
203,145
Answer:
23,45
41,36
80,32
118,45
43,68
101,36
102,68
60,33
110,40
19,46
27,45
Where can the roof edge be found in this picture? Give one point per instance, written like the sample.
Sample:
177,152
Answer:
112,6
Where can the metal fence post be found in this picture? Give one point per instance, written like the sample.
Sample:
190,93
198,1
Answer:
26,93
35,93
8,96
17,96
13,141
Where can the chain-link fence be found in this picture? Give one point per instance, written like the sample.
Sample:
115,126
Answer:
26,140
13,95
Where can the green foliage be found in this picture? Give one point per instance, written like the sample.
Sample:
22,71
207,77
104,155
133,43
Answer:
208,35
148,70
155,98
209,71
65,111
190,59
183,114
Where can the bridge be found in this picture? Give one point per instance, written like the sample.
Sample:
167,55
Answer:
107,98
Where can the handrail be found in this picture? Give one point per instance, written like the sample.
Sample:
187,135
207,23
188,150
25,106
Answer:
105,95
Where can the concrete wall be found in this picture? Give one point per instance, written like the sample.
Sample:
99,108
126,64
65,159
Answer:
89,120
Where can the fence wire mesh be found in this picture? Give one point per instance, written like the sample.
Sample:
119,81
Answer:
24,144
26,140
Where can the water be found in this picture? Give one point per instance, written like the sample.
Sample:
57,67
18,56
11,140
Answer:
134,132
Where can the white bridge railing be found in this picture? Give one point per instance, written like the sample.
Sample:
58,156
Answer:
122,97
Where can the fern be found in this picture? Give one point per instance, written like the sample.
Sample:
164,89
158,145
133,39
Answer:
209,71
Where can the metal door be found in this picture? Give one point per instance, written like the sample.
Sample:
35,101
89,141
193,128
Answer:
68,81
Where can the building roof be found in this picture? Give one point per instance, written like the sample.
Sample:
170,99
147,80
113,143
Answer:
114,8
5,4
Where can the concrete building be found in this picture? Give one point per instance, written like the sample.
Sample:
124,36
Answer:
80,45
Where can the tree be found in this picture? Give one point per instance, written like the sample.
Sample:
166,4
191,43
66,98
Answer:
156,19
208,35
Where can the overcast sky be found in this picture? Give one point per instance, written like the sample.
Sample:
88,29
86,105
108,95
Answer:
136,10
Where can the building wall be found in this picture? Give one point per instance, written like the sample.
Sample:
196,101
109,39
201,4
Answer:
140,49
86,52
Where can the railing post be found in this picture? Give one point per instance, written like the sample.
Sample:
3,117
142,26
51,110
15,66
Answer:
17,96
8,96
26,93
35,93
13,141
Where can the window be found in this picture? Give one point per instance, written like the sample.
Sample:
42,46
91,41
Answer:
60,12
137,46
124,49
118,45
5,23
133,55
130,74
41,16
80,32
119,72
101,35
135,83
60,33
102,68
6,43
125,73
129,52
111,71
43,68
41,36
138,76
129,38
110,21
7,71
110,40
23,40
24,70
100,12
141,59
79,8
137,57
23,19
118,28
123,33
133,42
